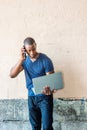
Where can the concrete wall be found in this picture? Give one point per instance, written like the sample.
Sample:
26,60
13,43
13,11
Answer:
67,115
59,28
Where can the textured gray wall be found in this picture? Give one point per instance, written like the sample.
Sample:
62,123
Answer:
68,115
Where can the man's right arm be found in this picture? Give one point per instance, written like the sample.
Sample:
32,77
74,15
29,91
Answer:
18,67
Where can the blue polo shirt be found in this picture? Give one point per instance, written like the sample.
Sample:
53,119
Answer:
39,67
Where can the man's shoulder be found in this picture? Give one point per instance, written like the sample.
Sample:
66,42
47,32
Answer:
45,58
44,55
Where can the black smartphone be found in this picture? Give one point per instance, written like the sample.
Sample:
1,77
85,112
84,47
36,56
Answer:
25,51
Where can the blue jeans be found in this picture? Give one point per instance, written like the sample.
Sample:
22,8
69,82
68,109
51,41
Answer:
41,112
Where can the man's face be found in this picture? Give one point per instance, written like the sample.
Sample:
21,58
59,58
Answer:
31,50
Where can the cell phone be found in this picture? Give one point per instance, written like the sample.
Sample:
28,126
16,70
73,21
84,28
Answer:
25,51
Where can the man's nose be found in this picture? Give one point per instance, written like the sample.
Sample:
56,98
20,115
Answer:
32,52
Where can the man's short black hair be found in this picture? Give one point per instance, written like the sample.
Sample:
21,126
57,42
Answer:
29,41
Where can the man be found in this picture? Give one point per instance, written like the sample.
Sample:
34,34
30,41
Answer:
34,65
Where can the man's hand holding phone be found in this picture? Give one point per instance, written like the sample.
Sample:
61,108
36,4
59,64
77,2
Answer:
23,53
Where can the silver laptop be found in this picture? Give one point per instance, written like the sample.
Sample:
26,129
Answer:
54,81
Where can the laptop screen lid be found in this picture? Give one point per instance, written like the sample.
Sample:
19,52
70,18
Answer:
54,81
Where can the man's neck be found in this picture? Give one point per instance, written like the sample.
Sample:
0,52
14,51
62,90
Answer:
35,58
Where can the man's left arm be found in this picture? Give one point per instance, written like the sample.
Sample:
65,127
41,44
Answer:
47,90
50,72
49,69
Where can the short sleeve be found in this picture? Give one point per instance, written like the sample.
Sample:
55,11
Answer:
48,65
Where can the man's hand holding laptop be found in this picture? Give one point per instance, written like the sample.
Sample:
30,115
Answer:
47,91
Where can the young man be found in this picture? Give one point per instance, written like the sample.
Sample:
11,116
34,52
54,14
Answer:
34,65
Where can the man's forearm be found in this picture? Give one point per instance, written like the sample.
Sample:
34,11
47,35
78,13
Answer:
16,69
